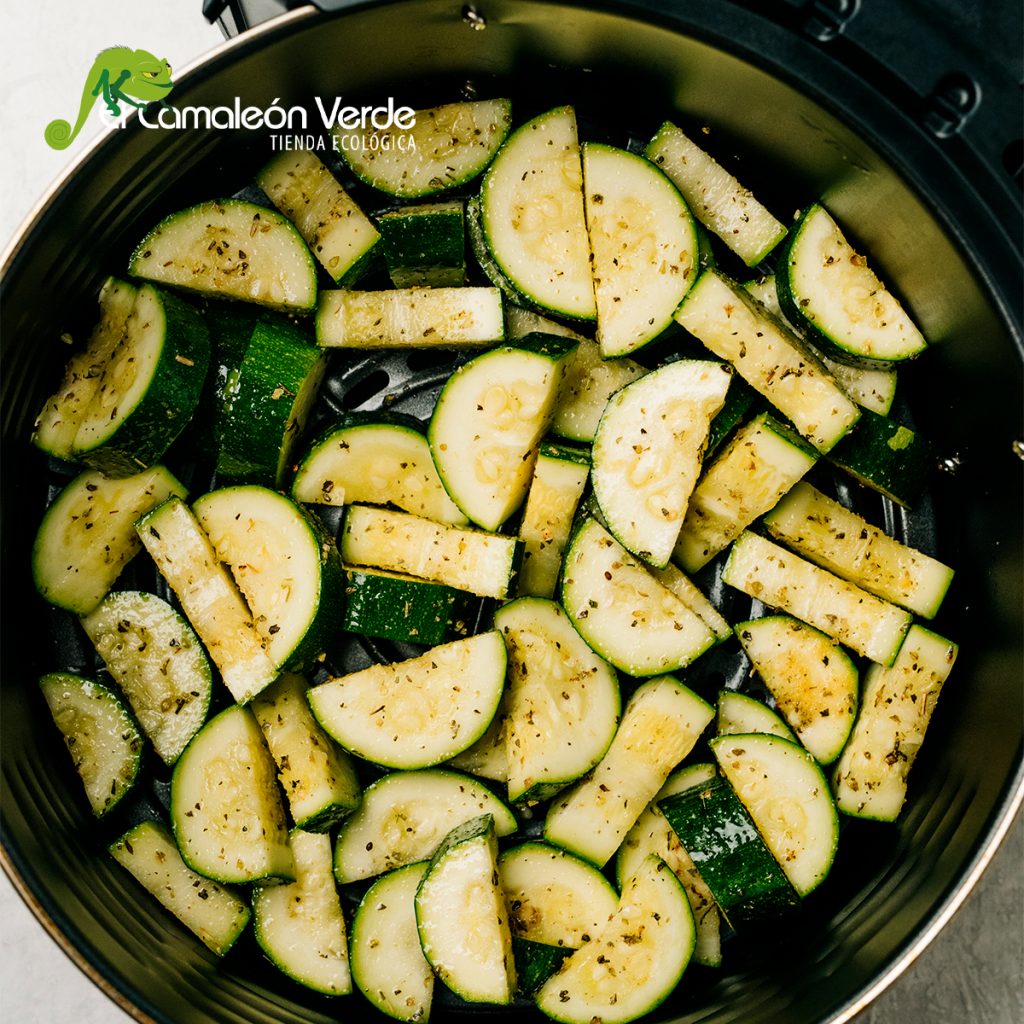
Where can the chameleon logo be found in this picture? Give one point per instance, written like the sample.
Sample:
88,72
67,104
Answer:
120,75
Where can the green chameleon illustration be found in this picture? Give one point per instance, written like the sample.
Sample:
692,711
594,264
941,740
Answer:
121,75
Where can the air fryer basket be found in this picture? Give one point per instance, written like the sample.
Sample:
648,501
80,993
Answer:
800,128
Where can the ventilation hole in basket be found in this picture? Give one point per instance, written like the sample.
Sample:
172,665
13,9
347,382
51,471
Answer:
368,391
429,359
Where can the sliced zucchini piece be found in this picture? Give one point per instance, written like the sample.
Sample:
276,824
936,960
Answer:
340,236
648,450
812,679
690,594
410,318
740,399
226,808
208,596
215,914
300,925
159,664
870,779
462,916
520,322
557,688
101,736
644,246
829,288
318,779
741,713
267,404
559,476
660,725
769,357
405,609
230,249
653,834
872,627
634,962
623,612
535,963
532,219
488,757
788,799
716,198
839,540
727,849
88,535
388,965
488,421
425,246
405,815
62,413
443,147
744,480
285,564
377,461
481,563
419,712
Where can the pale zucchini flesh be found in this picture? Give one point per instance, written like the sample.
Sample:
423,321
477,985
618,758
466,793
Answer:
742,713
488,757
675,580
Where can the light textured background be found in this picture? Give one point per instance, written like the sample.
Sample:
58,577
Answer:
972,974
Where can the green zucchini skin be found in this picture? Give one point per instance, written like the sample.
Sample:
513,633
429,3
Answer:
740,400
724,844
425,246
536,962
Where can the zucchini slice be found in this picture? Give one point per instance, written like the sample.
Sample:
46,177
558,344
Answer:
215,914
559,476
870,779
340,236
419,712
481,563
208,596
488,757
872,627
535,963
405,815
318,779
462,916
769,357
648,450
553,897
812,679
285,564
829,288
405,609
425,246
488,422
388,965
88,535
623,612
267,404
226,808
644,246
444,147
230,249
557,688
635,960
726,848
744,480
62,413
839,540
660,725
410,318
159,664
676,581
788,799
653,834
716,198
300,925
101,736
377,461
532,219
741,713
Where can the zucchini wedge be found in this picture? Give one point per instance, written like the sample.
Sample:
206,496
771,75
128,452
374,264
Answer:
101,736
405,815
675,580
742,713
425,245
442,147
230,249
214,913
